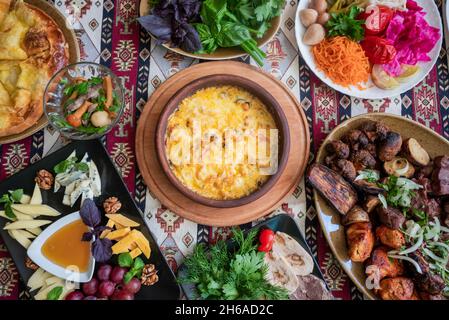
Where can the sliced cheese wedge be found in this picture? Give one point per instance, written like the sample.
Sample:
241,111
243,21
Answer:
36,198
26,224
36,210
122,220
20,238
37,279
35,231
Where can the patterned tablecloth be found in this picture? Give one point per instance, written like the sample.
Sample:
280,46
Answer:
108,33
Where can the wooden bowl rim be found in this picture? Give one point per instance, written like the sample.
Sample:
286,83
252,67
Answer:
151,170
255,89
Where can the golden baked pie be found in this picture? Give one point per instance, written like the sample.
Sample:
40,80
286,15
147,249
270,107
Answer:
32,49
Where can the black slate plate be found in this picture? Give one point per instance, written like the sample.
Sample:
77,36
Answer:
112,185
283,223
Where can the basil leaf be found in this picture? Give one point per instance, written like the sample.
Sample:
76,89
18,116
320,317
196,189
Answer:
125,260
90,214
8,211
5,199
102,249
65,165
81,167
128,276
138,264
54,293
16,195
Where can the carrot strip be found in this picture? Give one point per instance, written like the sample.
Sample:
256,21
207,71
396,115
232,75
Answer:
74,95
343,61
107,86
74,119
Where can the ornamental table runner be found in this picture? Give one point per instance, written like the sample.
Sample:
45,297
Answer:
109,34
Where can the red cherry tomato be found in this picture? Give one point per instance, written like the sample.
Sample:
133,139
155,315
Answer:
266,239
377,19
378,50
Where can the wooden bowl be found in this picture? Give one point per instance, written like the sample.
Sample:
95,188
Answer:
220,53
219,80
74,56
329,219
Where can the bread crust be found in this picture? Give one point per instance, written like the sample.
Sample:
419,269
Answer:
47,51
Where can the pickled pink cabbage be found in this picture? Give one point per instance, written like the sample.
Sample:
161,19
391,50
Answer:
412,37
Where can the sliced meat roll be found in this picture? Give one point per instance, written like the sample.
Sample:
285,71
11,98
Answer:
295,255
280,273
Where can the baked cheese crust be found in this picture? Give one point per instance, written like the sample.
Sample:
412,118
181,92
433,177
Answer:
32,49
217,110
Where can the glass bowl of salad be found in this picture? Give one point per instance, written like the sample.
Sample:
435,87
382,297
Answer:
84,100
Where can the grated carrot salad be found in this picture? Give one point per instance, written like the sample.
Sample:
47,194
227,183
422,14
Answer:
343,61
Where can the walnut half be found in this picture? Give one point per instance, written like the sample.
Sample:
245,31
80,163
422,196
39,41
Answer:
149,275
111,205
44,179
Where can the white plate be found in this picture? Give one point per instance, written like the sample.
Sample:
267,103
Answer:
35,253
373,92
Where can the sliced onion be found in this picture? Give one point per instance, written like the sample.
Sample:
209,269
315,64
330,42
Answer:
408,184
413,262
415,247
434,232
433,256
382,200
415,230
444,229
440,244
404,170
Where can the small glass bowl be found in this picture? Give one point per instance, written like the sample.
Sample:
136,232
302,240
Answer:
54,96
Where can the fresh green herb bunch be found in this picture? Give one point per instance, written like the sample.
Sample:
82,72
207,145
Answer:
346,24
68,164
229,23
400,192
222,275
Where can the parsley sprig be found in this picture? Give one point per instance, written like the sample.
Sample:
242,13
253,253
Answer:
399,192
346,24
220,274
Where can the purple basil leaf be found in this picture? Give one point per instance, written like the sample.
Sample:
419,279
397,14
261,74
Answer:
187,10
191,40
163,9
101,250
159,27
90,214
87,236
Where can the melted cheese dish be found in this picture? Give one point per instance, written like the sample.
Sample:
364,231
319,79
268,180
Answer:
224,116
32,49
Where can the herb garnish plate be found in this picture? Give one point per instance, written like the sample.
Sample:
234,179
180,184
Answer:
283,223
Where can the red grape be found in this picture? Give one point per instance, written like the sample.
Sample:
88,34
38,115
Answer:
75,295
90,288
104,272
132,286
90,298
122,295
117,274
106,289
